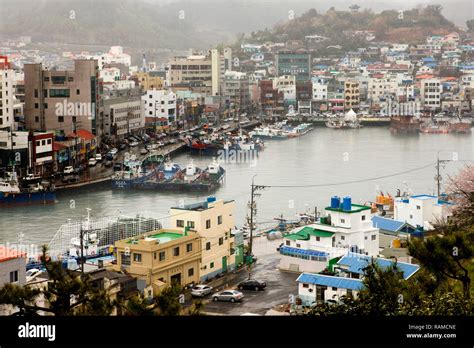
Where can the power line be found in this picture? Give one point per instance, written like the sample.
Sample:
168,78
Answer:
354,181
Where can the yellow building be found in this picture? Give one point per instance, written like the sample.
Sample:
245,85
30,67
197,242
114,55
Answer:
213,220
148,81
161,257
351,94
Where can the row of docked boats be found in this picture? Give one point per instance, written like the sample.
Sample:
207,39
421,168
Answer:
164,175
223,145
430,125
29,191
280,131
348,120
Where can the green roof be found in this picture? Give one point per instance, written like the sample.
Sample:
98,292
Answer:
355,208
306,232
162,237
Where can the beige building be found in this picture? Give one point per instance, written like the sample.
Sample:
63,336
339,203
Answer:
148,80
192,73
351,94
55,100
161,257
213,220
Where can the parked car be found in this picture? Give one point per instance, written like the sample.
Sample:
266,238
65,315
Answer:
108,164
122,147
160,144
79,169
98,157
113,151
228,295
134,143
92,162
68,170
117,167
201,290
251,284
31,274
143,151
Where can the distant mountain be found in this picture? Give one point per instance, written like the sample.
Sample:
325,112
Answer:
172,24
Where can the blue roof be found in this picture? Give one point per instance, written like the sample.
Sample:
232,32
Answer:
357,262
337,282
423,196
303,251
387,224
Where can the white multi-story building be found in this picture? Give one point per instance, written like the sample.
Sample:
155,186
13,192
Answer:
320,91
6,98
110,74
422,210
345,227
378,88
431,90
467,81
123,116
160,104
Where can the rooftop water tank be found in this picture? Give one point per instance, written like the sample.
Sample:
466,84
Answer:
211,199
335,202
346,203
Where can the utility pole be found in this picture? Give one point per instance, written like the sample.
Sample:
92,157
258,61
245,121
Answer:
81,236
253,210
438,176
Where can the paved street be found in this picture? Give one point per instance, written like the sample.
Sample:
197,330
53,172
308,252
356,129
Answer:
279,284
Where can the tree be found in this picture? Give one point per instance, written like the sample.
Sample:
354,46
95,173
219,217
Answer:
67,293
470,24
168,300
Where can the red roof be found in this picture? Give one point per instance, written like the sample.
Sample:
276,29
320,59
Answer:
10,254
58,146
82,133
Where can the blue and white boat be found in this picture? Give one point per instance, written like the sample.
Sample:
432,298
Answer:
12,195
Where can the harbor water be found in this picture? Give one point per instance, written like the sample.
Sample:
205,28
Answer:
355,162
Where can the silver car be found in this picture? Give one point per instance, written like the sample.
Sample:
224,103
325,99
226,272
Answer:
228,295
201,290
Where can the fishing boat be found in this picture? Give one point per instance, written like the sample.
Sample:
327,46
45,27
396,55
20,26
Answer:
12,194
134,171
460,125
203,147
405,124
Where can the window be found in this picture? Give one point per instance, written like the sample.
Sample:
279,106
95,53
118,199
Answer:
318,239
190,272
176,251
191,224
343,221
343,238
211,265
221,241
334,288
137,257
36,105
70,79
179,223
219,220
305,285
154,255
58,80
78,91
60,119
411,216
418,207
287,242
298,245
363,217
59,93
349,292
162,255
13,276
125,259
189,247
208,246
208,224
374,237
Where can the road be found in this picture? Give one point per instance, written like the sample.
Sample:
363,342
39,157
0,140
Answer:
280,285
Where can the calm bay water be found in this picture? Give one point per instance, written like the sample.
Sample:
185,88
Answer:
323,156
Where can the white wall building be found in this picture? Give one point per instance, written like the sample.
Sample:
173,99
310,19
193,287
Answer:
320,91
421,210
6,98
110,74
345,227
160,103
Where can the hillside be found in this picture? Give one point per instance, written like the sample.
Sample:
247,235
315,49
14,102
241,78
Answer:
412,28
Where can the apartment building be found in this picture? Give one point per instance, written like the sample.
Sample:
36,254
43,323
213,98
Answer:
297,63
123,116
236,89
160,104
161,257
7,93
193,73
351,94
431,90
64,100
213,220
